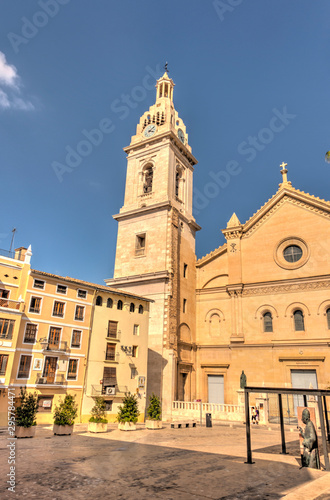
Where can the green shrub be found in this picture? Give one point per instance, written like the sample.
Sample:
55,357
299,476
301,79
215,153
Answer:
154,410
27,411
66,412
129,411
98,411
327,156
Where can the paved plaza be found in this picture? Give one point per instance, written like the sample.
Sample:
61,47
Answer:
173,464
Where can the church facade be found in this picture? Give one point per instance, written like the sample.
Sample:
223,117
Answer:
259,303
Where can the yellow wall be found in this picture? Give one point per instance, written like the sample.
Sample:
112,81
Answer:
97,352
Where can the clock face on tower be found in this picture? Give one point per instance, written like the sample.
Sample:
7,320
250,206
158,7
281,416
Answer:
181,135
149,130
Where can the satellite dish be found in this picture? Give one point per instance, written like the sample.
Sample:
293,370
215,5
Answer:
327,156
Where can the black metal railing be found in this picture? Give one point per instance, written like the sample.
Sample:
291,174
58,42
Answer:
11,255
50,379
54,346
99,390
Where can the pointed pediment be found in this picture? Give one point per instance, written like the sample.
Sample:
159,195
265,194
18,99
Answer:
286,193
233,221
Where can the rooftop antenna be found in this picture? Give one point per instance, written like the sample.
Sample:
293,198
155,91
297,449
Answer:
12,238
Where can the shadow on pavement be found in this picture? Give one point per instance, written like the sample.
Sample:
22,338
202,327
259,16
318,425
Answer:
80,467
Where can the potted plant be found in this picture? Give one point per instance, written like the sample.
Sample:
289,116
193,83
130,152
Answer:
98,421
154,412
64,416
128,413
26,414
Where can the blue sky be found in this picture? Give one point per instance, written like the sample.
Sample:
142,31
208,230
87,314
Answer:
252,86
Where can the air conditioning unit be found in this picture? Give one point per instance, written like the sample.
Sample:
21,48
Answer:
110,391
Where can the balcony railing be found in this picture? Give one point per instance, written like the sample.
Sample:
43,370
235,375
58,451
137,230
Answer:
114,335
12,304
100,390
11,255
54,346
51,379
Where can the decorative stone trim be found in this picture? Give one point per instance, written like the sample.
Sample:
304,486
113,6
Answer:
285,199
293,287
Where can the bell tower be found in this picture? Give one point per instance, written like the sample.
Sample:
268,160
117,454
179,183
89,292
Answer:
155,255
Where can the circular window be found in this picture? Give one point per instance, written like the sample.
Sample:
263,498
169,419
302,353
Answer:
292,253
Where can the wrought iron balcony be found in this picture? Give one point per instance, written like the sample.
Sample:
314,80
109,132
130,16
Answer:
114,335
52,379
100,390
12,304
54,346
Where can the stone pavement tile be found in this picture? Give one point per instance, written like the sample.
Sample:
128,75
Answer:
151,465
316,490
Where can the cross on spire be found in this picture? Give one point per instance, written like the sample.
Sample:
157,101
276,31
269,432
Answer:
166,67
284,172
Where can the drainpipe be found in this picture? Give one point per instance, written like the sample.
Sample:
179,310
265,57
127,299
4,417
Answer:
84,389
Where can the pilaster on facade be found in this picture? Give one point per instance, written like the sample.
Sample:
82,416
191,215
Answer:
235,292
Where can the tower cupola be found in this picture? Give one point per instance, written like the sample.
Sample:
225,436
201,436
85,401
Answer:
165,87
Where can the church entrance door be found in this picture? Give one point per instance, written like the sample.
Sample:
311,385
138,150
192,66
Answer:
216,389
302,379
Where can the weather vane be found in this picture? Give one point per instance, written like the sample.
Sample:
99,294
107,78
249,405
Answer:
166,67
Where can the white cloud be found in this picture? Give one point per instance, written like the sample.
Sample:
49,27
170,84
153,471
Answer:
8,74
11,97
4,101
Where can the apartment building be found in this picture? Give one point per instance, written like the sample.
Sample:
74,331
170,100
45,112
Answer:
118,352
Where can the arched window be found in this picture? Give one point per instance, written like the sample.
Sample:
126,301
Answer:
109,302
120,305
178,183
99,300
148,178
131,307
268,322
328,317
299,325
140,309
214,325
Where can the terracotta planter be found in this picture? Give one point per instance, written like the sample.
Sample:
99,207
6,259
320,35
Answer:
126,426
25,432
154,424
97,427
62,430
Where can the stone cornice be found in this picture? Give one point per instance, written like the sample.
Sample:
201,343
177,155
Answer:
136,212
158,138
212,255
272,344
272,287
138,278
166,205
233,232
302,358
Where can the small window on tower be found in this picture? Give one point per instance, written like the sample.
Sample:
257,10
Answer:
177,183
184,309
140,244
185,270
148,178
